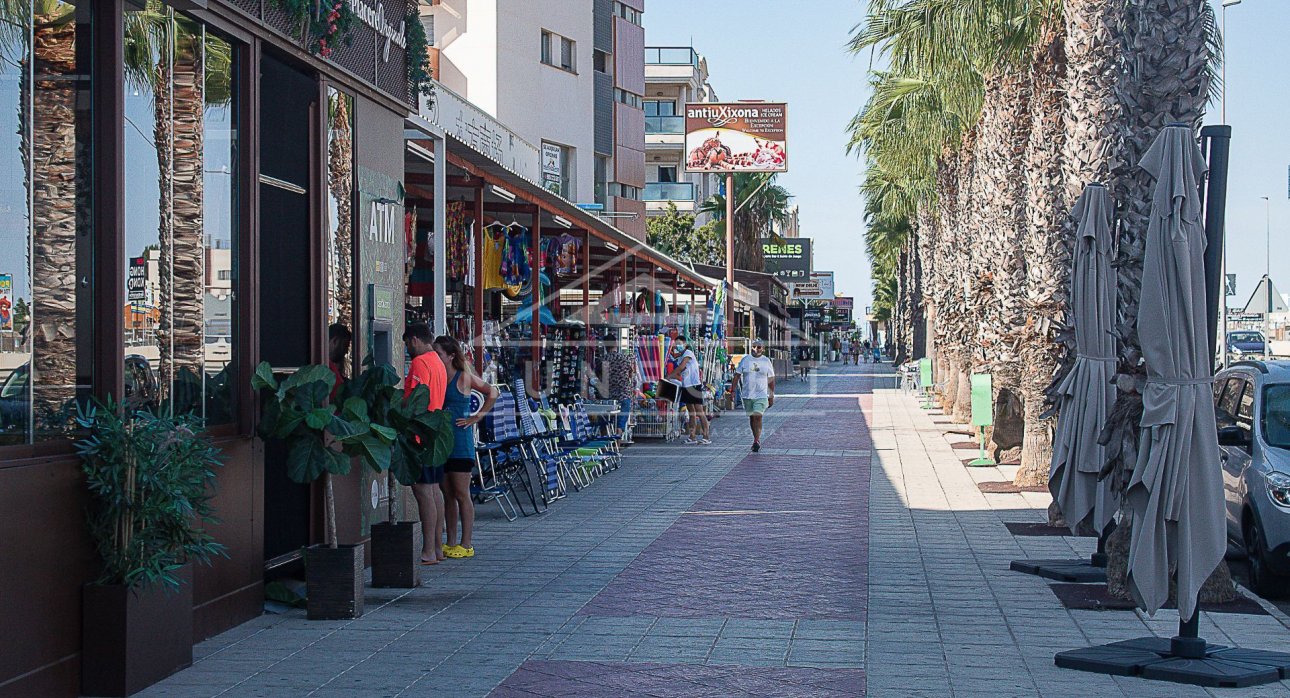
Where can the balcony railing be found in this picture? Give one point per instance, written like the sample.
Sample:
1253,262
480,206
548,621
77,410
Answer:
671,55
669,191
665,124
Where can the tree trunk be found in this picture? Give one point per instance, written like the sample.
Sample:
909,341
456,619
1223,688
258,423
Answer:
340,184
52,161
1037,444
963,396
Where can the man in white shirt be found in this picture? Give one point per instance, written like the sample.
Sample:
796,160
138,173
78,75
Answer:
687,373
756,374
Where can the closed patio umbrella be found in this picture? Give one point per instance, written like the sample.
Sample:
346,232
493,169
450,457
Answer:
1175,494
1086,394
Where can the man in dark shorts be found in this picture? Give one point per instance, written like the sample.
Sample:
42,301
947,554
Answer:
687,372
427,369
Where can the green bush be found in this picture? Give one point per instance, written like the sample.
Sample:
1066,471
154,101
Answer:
151,480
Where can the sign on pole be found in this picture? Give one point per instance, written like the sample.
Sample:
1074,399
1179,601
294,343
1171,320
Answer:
789,260
6,302
925,381
982,412
136,280
736,137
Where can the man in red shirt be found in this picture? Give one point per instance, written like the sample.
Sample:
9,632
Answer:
427,370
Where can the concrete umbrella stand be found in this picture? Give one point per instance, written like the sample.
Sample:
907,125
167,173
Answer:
1175,495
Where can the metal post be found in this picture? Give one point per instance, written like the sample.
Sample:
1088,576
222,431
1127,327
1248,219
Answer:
1267,276
586,281
481,239
1219,141
730,249
440,308
535,285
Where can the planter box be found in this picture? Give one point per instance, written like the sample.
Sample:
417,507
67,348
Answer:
131,639
334,578
396,555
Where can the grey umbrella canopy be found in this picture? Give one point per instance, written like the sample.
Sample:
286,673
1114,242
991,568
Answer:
1086,394
1176,492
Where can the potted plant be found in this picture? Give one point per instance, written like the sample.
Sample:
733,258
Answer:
422,438
323,438
150,483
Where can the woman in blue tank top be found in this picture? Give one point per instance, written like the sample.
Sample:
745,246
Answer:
456,482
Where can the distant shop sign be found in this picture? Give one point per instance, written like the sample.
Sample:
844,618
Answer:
788,259
736,137
552,167
136,280
474,128
819,287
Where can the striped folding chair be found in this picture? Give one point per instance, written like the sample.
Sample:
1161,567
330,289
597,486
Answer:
504,448
547,460
485,485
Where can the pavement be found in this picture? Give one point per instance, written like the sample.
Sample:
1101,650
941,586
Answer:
854,555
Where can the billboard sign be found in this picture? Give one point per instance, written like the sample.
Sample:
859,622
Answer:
736,137
6,302
789,260
844,302
819,287
136,280
552,167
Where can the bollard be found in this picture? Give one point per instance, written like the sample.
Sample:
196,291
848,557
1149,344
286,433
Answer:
982,414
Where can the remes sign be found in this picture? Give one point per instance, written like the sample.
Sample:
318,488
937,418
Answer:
789,260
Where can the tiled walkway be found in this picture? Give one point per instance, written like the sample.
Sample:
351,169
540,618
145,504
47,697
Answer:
853,556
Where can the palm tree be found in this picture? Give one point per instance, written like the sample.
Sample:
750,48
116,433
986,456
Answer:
759,203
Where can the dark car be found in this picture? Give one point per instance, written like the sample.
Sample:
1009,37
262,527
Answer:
1245,342
141,393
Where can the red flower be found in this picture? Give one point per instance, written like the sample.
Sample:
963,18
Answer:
332,29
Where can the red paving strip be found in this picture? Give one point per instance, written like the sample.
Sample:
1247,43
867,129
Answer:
778,538
565,679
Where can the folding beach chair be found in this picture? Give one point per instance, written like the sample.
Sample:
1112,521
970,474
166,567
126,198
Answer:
505,448
486,486
548,459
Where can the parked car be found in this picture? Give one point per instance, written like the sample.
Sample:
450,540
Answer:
1243,343
1252,402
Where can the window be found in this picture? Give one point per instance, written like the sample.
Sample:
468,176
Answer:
625,97
1228,401
600,61
180,218
602,179
630,14
46,286
657,108
566,48
624,191
667,173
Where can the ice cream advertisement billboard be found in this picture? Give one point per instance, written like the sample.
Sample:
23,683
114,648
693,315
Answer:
736,137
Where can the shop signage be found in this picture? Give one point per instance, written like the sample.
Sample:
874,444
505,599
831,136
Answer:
136,280
788,259
386,222
474,128
818,288
736,137
812,313
847,302
6,302
382,303
374,17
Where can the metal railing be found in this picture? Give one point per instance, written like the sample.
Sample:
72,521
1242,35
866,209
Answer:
668,191
665,124
671,55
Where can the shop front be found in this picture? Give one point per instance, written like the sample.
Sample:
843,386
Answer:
188,190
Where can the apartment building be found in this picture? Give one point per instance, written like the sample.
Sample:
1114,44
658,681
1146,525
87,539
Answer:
566,75
674,76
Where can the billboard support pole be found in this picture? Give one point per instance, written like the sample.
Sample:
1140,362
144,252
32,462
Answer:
730,247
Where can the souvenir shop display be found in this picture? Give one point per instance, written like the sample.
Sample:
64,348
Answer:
563,363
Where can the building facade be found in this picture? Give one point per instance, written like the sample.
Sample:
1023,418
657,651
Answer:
674,76
567,76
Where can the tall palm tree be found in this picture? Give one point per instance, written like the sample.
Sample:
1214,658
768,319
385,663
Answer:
759,204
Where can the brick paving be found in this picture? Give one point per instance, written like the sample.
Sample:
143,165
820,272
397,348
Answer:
855,555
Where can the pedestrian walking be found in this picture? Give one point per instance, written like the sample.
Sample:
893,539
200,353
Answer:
868,350
427,369
845,347
457,504
756,375
687,372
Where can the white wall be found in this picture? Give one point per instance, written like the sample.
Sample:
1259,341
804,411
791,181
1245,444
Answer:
466,34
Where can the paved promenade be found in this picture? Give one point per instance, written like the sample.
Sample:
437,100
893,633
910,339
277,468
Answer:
853,556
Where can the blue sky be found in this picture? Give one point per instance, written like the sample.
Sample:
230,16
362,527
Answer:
795,51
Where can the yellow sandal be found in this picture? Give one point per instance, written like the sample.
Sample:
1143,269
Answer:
459,552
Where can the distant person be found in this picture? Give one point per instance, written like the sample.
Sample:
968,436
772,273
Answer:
868,351
756,374
339,339
427,369
457,504
844,349
687,372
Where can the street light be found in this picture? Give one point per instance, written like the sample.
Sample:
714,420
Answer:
1267,276
1223,102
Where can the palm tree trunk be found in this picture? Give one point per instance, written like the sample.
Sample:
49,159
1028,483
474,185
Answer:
1168,79
1046,244
51,158
340,182
187,187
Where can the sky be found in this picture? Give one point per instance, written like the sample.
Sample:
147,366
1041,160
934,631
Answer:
793,52
796,52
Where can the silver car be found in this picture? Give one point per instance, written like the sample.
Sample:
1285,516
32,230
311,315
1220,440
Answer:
1252,399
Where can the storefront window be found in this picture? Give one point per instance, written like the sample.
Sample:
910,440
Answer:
180,215
340,208
45,252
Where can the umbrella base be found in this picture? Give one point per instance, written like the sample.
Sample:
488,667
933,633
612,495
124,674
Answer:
1072,571
1161,659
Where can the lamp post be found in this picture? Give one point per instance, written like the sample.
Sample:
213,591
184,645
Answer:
1267,277
1223,101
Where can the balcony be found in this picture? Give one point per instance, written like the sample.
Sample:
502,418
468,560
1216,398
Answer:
658,194
664,125
671,55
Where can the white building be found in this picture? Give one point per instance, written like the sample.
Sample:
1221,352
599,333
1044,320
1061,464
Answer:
674,76
566,76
